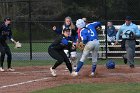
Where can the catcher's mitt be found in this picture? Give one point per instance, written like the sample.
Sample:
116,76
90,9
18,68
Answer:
81,46
18,45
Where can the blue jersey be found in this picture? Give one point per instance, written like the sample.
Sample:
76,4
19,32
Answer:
89,32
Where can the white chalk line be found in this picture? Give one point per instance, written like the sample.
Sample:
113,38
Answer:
26,82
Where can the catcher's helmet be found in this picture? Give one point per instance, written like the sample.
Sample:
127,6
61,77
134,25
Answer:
80,23
110,64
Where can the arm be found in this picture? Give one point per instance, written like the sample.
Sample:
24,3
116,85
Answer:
118,34
11,37
137,32
60,43
57,30
114,31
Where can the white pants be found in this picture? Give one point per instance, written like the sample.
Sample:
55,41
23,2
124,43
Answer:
91,46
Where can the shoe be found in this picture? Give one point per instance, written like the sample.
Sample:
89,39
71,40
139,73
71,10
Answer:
132,66
10,69
92,74
124,60
74,74
53,72
1,69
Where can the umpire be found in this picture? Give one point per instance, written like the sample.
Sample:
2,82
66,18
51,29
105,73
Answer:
5,33
56,51
129,32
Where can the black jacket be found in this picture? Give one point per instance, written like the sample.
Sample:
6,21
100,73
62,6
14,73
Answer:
59,45
5,32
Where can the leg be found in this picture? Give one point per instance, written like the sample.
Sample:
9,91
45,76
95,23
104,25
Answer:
2,58
56,55
94,57
9,57
86,51
67,61
130,52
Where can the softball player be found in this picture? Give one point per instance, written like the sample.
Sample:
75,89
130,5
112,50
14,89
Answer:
56,51
5,33
89,37
72,54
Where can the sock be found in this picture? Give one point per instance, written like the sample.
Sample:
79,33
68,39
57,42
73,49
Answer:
93,68
79,66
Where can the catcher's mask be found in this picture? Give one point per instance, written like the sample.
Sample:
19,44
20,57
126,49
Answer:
110,64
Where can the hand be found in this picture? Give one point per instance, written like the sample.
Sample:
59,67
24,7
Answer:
73,47
18,45
54,28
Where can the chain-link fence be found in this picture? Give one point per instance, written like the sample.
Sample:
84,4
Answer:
33,21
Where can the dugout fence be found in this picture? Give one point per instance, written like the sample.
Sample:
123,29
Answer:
33,21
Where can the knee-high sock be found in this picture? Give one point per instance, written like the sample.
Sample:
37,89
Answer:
79,66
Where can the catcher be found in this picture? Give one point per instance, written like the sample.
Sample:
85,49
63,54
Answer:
89,43
56,51
5,33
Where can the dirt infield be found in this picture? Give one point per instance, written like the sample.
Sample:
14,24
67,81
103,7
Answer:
27,79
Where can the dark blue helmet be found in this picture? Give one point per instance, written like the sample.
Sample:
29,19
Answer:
110,64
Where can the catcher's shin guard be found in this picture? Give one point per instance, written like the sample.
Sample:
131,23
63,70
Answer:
73,58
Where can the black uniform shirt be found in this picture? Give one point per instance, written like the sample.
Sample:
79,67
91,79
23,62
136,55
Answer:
61,43
5,32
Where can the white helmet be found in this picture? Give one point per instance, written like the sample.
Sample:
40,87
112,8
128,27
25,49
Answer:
80,23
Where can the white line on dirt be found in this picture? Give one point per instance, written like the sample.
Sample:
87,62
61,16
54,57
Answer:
17,73
26,82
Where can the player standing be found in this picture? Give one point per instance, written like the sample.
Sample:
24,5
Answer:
6,33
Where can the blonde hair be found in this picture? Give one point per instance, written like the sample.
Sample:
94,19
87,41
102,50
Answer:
72,26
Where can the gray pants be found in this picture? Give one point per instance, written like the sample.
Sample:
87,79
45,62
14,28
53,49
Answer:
130,51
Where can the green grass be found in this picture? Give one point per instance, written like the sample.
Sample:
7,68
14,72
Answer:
36,47
94,88
22,63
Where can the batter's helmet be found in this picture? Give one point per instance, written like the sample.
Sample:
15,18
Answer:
80,23
110,64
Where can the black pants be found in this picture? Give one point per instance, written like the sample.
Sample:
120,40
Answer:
61,57
4,49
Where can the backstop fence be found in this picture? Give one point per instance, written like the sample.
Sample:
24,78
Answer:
32,22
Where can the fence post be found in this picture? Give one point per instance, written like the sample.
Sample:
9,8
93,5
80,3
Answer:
105,2
30,32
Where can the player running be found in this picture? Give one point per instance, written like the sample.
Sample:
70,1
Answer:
89,38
